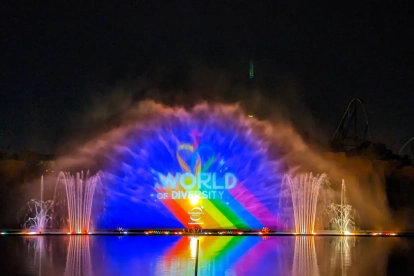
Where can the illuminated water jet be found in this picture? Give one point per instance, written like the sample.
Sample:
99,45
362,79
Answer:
38,216
304,191
342,215
80,189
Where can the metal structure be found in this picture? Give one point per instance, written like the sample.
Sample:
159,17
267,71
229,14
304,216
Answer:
408,148
350,133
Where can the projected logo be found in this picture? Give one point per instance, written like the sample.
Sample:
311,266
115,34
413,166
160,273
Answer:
196,213
204,190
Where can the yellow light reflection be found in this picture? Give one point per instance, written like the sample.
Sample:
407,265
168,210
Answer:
193,247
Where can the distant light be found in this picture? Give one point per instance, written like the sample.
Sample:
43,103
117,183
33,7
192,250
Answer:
347,233
125,232
250,116
32,233
3,233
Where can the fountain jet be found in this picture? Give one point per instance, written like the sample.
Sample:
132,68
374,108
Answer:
80,189
304,190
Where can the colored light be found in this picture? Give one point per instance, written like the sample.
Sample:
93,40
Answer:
193,247
32,233
347,233
185,167
3,233
195,199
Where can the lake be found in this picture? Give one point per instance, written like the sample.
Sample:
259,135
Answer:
218,255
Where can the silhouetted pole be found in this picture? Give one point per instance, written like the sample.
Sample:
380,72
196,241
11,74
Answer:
342,206
196,262
41,200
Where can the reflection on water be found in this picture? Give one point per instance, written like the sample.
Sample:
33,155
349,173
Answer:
37,252
342,254
305,261
78,260
218,255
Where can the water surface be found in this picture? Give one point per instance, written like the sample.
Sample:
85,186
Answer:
218,255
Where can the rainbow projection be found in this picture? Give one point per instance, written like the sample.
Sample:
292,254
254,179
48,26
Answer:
198,168
218,255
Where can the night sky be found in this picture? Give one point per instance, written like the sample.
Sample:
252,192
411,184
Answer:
56,58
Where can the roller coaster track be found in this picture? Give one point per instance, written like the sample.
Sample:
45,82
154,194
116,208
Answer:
410,143
348,134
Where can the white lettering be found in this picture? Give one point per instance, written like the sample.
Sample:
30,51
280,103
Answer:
215,186
204,182
189,181
169,180
230,181
190,194
188,177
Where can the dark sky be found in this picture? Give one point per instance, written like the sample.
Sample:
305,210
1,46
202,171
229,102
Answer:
53,54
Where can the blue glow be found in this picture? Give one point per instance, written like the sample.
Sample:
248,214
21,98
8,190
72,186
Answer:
131,165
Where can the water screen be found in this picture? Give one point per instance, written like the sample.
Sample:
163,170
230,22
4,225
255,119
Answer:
208,167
